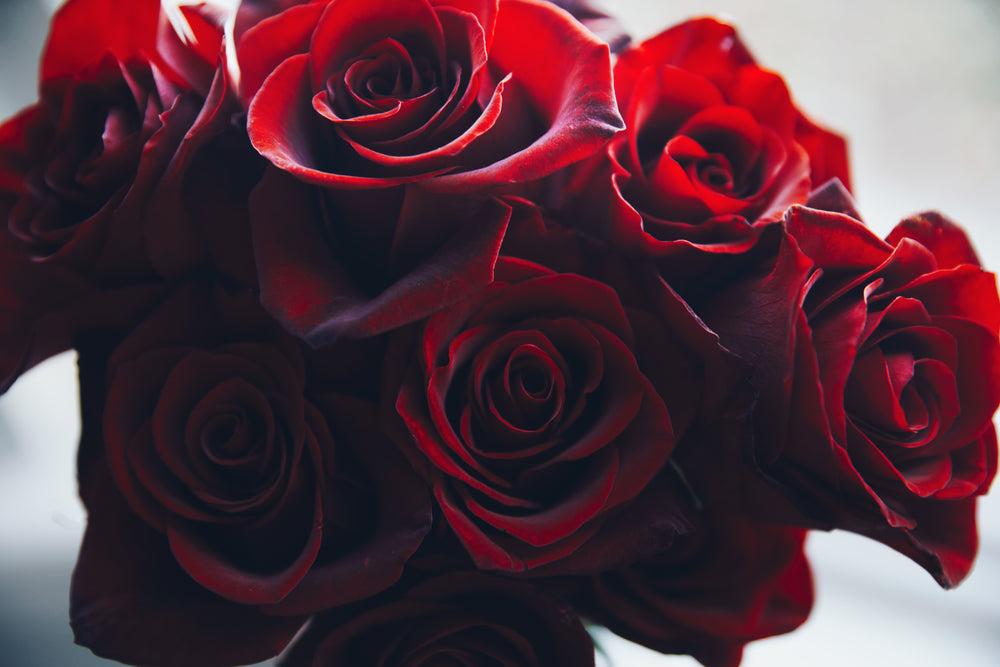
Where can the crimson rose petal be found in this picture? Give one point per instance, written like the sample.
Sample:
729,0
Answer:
268,493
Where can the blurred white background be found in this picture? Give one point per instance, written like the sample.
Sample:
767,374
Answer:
913,84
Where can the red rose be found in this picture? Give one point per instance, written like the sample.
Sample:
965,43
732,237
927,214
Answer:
439,95
528,413
878,368
113,179
724,584
712,143
355,94
77,168
264,494
457,618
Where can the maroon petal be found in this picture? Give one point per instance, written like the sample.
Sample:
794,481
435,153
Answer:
832,195
306,288
130,601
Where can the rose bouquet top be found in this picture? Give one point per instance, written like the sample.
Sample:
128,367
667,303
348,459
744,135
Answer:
426,331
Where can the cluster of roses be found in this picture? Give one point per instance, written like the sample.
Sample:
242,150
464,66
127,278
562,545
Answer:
434,322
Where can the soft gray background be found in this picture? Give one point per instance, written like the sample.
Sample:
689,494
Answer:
914,84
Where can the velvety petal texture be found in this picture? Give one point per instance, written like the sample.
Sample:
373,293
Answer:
878,387
361,94
525,409
260,492
80,159
216,447
130,600
408,117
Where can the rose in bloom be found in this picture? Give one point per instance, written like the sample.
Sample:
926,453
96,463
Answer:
360,94
878,381
120,118
526,410
262,494
77,168
718,587
383,103
712,144
457,618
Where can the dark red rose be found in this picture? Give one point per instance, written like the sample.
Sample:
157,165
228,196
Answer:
526,410
457,618
718,587
72,161
265,493
356,94
78,167
878,369
713,143
93,177
833,196
197,217
437,95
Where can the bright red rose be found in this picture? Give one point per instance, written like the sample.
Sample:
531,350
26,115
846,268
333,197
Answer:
527,411
456,618
385,104
713,143
718,587
265,493
878,368
363,94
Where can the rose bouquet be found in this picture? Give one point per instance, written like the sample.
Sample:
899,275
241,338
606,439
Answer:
397,348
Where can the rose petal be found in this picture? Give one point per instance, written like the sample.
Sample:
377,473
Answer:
305,287
581,114
272,41
948,242
129,600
